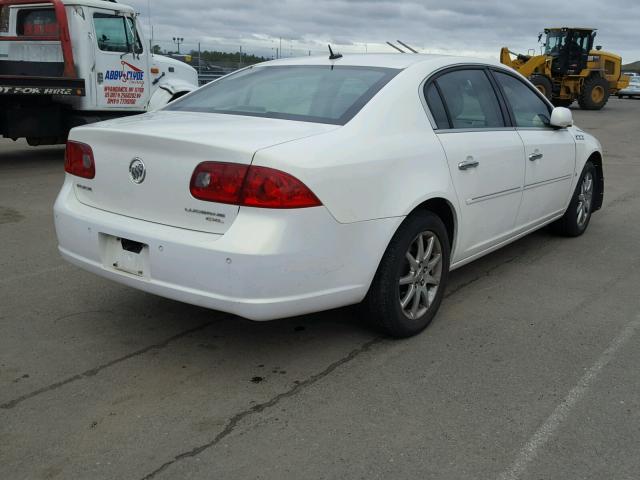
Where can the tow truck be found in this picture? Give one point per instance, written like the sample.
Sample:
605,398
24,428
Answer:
66,63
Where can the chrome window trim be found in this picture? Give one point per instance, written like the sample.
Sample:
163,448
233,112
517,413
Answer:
541,129
443,131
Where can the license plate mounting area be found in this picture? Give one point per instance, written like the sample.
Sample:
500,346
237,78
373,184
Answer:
125,255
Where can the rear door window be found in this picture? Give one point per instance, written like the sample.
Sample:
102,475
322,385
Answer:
470,100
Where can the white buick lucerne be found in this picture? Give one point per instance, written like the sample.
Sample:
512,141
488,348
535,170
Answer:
306,184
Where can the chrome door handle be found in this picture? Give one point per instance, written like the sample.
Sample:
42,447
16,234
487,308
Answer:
467,164
535,156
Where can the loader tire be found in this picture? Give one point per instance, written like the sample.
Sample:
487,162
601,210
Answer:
562,102
595,94
543,84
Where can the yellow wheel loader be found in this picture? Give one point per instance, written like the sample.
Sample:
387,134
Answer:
570,69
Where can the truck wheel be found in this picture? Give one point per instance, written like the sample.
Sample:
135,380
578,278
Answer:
543,84
562,102
595,94
411,279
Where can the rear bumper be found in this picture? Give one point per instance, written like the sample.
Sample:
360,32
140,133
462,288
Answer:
269,264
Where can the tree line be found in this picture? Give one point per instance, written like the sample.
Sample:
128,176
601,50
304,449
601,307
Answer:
214,57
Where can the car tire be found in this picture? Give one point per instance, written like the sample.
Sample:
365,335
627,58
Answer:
423,237
576,219
595,94
543,84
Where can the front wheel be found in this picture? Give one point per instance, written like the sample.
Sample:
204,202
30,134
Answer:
409,285
595,94
576,219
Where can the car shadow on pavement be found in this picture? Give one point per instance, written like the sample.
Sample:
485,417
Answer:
336,322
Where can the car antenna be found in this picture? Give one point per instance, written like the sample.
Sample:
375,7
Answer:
397,48
333,56
407,46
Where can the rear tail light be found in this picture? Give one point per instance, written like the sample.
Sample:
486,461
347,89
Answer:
218,182
250,186
78,160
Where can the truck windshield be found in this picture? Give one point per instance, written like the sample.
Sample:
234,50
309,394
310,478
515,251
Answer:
321,94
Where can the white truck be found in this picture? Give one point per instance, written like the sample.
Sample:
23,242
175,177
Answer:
65,63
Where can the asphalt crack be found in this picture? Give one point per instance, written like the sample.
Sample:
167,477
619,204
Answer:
94,371
297,388
233,422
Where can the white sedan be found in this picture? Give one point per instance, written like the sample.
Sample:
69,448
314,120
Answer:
632,90
307,184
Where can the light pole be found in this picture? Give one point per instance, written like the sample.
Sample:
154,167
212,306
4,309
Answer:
178,41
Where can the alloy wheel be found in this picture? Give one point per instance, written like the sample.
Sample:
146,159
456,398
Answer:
585,199
422,271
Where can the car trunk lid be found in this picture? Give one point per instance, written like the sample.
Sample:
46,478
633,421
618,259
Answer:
171,145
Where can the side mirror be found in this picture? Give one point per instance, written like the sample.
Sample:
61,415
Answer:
561,117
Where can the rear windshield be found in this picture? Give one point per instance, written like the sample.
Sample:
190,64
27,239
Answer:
37,23
319,94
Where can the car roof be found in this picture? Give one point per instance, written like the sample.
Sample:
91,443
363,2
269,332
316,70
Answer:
385,60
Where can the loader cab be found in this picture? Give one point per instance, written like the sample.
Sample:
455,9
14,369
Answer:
569,48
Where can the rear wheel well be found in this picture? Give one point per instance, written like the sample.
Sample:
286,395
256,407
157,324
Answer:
596,159
445,211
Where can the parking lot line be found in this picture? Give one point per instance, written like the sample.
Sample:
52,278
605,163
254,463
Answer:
528,453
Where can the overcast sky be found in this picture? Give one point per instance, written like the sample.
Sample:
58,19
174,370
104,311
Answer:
462,27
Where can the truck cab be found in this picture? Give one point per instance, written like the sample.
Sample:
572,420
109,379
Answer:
65,63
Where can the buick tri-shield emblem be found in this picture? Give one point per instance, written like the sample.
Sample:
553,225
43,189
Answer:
137,170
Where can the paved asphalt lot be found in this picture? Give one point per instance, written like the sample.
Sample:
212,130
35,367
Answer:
531,370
